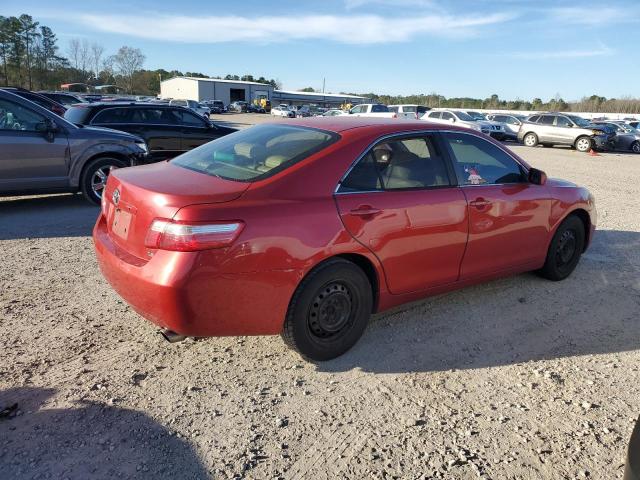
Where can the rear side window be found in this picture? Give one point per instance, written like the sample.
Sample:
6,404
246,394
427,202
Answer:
409,109
112,115
396,165
257,152
478,161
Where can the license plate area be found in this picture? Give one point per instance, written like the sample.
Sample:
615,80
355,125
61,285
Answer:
121,223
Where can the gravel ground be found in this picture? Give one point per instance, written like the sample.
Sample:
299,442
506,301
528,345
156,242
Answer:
516,379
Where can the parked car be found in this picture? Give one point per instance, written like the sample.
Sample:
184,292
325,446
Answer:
168,130
37,98
253,108
632,467
372,110
510,122
196,107
239,107
334,112
634,123
409,111
215,106
302,111
627,138
42,152
288,229
550,129
66,99
463,119
281,111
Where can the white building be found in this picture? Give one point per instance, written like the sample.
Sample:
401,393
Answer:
228,91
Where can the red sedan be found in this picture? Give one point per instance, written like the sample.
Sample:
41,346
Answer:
306,227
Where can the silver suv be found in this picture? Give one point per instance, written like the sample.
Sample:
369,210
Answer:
41,152
550,129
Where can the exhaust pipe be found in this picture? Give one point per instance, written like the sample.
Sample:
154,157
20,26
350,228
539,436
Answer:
171,336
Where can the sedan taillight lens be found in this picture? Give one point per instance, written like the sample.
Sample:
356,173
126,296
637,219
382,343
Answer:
190,237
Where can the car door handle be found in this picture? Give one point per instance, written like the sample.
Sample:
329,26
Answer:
365,211
479,203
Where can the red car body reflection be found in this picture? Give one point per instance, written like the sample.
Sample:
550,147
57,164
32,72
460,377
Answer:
411,243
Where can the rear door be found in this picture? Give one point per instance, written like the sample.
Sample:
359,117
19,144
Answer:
508,216
399,201
28,160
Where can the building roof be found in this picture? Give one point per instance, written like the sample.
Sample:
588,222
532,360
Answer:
220,80
333,95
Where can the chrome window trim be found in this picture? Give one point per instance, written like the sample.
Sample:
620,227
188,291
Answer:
422,132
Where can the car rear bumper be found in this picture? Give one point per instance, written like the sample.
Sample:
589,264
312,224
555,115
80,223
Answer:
181,292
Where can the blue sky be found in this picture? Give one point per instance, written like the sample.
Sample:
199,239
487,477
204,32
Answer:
514,48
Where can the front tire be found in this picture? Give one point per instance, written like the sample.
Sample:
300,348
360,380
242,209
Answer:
583,144
530,140
565,250
329,311
94,177
635,147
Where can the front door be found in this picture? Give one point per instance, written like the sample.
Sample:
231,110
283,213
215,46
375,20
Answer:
508,216
28,160
400,202
195,130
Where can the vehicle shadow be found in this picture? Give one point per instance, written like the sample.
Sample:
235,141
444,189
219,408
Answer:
47,216
91,440
517,319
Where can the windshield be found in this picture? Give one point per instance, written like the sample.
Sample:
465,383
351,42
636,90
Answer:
256,152
464,117
581,122
476,115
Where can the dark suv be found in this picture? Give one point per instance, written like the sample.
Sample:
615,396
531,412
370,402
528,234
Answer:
45,102
168,130
41,152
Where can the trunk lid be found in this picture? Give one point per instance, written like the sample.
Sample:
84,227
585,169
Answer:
159,190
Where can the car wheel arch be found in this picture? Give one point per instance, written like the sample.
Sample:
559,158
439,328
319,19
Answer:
88,160
584,217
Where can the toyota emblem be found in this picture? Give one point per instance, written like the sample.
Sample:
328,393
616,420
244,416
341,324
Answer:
116,196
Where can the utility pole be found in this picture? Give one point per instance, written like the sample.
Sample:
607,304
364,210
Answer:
323,79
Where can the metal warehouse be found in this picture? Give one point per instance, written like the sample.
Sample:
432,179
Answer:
199,89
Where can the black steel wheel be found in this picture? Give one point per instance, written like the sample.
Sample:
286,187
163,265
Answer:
565,249
329,310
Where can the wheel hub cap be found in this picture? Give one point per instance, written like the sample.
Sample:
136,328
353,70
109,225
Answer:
566,248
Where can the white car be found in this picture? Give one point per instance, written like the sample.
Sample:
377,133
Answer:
194,106
372,110
463,119
334,112
283,111
411,112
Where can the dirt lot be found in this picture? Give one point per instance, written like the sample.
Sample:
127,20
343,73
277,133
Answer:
516,379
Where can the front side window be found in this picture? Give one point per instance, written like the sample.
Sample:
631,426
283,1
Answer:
393,109
17,117
189,119
112,115
563,122
434,115
534,119
396,165
478,161
256,152
379,108
447,116
512,121
357,109
547,119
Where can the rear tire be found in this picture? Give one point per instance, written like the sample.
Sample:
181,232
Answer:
329,311
94,177
565,250
583,144
530,140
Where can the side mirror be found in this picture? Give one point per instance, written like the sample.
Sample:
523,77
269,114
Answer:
537,177
48,128
452,120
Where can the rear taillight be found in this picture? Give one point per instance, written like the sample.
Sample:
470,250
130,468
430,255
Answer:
188,237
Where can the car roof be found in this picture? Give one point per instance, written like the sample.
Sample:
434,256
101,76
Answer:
383,125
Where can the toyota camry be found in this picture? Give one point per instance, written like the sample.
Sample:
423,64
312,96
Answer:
305,227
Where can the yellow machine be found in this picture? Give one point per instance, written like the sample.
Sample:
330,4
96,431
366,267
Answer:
262,101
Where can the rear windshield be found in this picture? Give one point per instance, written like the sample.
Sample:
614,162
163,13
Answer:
77,114
257,152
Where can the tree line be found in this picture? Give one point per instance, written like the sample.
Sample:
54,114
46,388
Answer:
31,58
